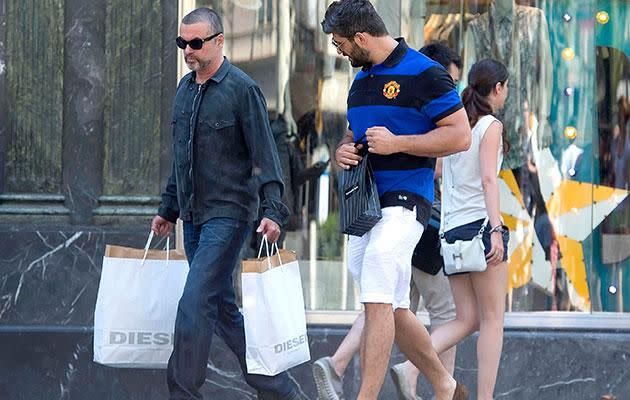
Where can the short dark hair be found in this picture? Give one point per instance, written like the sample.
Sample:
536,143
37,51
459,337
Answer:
442,54
207,15
347,17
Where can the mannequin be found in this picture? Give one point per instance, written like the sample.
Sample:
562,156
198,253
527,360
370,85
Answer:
517,36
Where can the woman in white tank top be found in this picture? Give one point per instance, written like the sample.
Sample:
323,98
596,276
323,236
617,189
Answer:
470,194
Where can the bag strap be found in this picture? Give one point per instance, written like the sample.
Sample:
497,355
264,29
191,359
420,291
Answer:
358,142
277,252
483,227
479,234
265,242
168,248
148,244
441,219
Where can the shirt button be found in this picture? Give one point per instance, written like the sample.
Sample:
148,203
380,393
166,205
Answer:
216,124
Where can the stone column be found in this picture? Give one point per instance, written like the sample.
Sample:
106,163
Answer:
33,96
133,97
85,87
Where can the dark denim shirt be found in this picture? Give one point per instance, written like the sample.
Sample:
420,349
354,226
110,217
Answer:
225,157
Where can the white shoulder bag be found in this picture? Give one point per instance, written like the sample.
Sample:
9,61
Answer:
464,255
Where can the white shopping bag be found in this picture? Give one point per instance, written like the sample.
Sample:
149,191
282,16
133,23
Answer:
273,309
136,305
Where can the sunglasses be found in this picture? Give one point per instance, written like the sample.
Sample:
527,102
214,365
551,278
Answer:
195,43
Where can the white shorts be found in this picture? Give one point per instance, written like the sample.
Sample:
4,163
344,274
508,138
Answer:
380,260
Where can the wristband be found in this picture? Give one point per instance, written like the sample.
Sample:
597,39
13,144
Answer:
499,228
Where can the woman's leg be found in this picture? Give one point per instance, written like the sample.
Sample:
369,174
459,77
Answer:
490,290
466,322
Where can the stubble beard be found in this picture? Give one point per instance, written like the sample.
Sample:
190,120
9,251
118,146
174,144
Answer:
194,64
359,58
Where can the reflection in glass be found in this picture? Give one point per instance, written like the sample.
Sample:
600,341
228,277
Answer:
614,171
564,186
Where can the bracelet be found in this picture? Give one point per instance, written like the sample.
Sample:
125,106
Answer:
499,228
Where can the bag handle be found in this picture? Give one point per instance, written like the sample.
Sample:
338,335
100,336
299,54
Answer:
148,244
479,234
265,242
483,226
358,142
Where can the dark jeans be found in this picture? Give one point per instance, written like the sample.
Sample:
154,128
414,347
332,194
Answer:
208,306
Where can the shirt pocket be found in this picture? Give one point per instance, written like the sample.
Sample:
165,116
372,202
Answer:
209,127
218,136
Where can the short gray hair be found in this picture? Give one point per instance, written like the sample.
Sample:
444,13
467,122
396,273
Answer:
205,15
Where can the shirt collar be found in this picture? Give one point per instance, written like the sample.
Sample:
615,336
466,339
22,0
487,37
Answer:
218,76
502,19
396,56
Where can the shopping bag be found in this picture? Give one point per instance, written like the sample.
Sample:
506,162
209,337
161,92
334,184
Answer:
359,205
273,310
136,305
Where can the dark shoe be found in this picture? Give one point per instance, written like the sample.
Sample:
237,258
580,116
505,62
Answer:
400,382
329,385
461,392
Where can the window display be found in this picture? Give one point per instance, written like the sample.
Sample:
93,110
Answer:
565,182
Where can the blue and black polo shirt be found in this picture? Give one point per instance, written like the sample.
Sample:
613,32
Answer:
407,93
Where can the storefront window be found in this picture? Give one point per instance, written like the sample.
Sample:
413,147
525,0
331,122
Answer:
564,184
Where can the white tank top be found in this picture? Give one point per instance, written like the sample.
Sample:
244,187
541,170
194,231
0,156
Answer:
462,193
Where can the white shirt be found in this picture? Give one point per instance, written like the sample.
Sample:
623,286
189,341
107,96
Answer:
462,192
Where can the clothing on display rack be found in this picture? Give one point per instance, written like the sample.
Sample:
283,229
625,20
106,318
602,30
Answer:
518,36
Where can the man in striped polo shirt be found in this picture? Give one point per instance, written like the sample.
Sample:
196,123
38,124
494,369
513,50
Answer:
405,109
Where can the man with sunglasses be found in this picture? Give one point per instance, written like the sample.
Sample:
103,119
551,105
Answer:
409,111
225,159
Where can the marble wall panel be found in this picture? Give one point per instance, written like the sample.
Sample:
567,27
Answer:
539,365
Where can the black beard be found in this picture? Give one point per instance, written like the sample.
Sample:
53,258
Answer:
359,58
360,64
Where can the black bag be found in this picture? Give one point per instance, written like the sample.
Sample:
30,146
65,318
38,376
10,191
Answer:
427,256
359,206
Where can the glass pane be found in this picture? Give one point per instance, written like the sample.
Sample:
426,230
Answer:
308,122
563,184
568,224
611,250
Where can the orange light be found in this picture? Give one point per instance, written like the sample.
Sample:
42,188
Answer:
568,54
602,17
570,132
